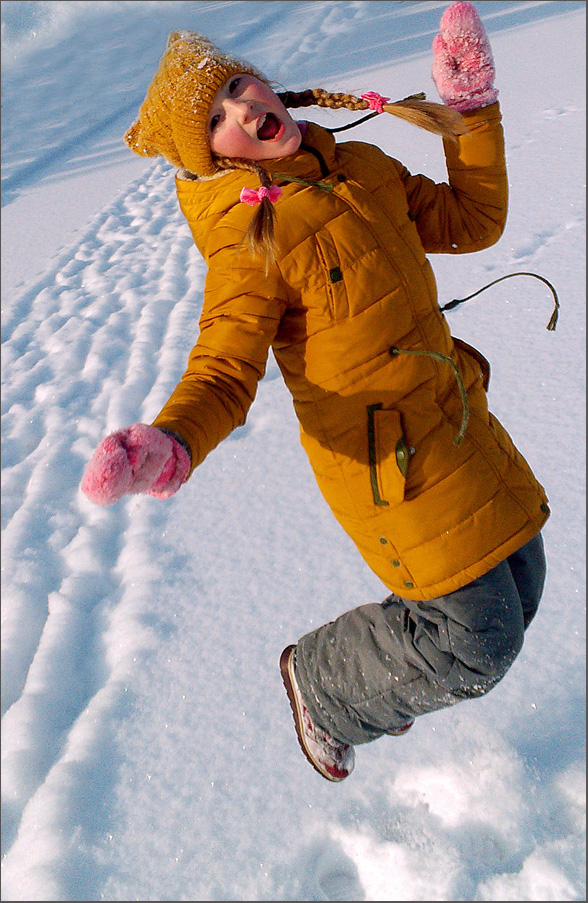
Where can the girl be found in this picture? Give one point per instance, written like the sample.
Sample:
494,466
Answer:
330,271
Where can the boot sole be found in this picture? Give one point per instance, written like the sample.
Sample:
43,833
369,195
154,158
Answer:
401,730
285,665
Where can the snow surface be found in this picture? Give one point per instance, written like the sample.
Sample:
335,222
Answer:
148,748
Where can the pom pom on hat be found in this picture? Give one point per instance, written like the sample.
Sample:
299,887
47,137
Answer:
173,118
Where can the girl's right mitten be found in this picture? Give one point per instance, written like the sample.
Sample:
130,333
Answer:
136,459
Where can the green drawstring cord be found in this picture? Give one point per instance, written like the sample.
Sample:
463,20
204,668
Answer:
437,356
553,321
324,186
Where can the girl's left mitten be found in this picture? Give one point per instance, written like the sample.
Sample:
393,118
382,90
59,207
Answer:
463,66
136,459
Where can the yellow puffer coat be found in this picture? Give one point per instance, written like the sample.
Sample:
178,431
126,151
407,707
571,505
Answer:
350,293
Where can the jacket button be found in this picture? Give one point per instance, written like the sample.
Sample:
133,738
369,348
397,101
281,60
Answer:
408,584
341,177
395,563
545,508
383,540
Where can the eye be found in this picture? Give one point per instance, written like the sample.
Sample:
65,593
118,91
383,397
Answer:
214,122
234,84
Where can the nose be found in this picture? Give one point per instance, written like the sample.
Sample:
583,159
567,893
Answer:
242,110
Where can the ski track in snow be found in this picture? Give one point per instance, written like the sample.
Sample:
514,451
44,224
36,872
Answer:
99,341
79,348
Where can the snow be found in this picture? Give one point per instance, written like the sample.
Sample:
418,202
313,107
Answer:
148,749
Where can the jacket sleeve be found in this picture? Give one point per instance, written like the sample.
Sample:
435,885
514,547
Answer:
469,213
241,314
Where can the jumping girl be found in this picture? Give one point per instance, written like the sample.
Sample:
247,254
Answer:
318,250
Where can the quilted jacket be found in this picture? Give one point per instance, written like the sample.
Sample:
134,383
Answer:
378,383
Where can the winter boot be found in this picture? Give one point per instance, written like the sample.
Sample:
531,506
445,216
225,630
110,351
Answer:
331,758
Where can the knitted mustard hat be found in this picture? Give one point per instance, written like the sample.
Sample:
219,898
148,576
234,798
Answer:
173,118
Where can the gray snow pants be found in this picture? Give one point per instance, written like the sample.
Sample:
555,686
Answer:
377,666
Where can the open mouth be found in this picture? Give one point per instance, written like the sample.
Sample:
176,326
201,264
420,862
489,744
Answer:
269,127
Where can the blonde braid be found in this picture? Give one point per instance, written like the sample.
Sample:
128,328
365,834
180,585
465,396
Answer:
434,117
260,234
317,97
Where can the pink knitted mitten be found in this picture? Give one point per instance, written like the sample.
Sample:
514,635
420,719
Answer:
138,458
463,68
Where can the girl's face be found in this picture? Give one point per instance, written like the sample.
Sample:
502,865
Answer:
248,120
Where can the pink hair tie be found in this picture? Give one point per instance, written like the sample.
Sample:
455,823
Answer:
252,197
375,101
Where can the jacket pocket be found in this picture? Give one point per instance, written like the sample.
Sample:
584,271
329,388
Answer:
335,287
388,455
